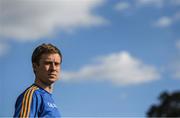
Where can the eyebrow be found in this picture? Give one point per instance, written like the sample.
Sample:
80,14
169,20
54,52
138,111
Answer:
51,61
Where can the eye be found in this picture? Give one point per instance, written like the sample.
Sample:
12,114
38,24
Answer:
57,64
47,63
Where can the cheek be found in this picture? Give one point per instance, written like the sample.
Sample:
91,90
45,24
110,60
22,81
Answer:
42,70
45,67
59,70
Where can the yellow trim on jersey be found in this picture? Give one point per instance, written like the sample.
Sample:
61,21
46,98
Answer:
27,99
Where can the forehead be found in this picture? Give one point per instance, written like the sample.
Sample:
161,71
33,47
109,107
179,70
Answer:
50,57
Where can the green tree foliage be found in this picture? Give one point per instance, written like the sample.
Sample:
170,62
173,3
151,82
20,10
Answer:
169,106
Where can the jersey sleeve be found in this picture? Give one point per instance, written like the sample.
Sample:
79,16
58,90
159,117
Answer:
28,104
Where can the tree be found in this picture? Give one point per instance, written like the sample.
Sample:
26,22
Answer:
169,106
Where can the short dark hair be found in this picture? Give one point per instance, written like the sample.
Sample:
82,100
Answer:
44,49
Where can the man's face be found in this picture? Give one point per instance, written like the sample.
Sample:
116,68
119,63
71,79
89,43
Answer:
48,69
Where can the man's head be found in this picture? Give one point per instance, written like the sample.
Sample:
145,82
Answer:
46,60
44,49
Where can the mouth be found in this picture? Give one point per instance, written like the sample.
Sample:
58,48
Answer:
52,75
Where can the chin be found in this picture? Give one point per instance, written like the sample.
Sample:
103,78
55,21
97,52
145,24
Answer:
52,80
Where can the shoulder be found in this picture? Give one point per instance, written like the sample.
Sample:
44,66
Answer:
30,92
30,97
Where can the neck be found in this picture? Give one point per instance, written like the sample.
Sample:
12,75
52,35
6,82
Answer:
48,88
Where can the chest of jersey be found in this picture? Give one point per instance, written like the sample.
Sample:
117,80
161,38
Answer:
48,107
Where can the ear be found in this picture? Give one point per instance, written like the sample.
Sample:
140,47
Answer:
34,66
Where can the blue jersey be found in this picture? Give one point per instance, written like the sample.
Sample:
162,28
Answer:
35,102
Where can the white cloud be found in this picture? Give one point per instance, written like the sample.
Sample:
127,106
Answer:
164,22
34,19
119,68
138,4
157,3
4,48
121,6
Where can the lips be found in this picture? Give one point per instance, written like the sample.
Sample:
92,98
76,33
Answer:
52,74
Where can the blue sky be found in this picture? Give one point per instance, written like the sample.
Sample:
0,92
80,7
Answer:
118,55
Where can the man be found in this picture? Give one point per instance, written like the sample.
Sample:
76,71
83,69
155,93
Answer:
37,101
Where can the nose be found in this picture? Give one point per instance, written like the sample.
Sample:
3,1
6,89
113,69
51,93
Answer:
52,66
